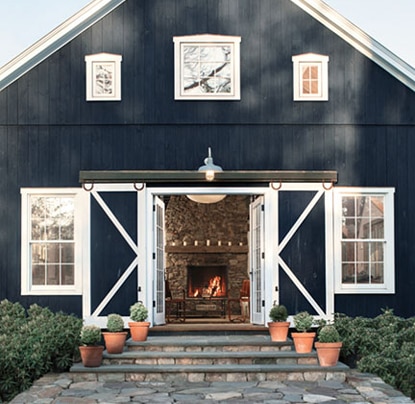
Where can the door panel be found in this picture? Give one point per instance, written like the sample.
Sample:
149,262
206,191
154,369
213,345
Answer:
159,261
257,260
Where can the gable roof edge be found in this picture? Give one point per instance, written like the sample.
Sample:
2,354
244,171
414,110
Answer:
55,40
361,41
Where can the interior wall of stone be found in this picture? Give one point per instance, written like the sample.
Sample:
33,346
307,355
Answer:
198,229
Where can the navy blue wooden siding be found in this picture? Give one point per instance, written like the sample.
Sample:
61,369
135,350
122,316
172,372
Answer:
48,132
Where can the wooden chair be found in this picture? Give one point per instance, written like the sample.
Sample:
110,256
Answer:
243,301
179,303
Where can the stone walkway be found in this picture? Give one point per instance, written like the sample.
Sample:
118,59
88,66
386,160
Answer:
359,389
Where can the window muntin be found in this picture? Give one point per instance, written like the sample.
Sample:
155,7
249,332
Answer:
310,77
207,67
364,245
52,241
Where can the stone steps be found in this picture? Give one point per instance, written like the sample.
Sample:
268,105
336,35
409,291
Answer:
196,358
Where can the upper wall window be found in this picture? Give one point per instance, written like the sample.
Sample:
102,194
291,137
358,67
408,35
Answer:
207,67
364,240
310,73
52,234
103,77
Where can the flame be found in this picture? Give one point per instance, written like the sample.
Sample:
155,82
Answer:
213,289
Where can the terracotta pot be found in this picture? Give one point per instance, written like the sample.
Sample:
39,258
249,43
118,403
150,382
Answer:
91,355
328,352
139,330
278,330
115,341
303,341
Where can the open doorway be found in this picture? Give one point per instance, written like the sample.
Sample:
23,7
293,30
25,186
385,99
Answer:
207,256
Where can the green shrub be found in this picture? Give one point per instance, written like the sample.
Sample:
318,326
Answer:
303,321
278,313
384,345
32,344
90,335
115,323
138,312
328,333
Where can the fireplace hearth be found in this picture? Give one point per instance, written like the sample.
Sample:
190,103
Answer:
207,281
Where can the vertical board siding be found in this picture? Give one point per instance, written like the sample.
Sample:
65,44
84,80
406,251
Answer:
49,132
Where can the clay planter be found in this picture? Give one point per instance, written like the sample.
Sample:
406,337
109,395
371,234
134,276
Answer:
91,355
115,341
328,352
303,341
139,330
278,330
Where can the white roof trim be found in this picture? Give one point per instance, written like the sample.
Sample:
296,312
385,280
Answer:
359,40
97,9
57,38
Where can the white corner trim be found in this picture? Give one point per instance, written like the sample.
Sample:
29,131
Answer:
359,40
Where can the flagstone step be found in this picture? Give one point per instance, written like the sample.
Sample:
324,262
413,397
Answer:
244,357
196,358
209,373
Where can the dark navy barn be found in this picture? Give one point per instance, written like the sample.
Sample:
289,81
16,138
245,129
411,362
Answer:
364,132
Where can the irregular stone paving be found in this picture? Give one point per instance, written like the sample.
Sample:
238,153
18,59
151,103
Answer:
358,389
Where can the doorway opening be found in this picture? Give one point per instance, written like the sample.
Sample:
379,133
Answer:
207,255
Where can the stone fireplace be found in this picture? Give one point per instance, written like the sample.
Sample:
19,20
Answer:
204,241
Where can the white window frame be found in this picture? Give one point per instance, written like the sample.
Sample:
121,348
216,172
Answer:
388,286
81,237
206,39
113,63
311,59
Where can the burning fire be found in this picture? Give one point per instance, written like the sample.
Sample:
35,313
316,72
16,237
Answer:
213,289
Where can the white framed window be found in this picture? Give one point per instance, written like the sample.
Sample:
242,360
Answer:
53,232
310,76
207,67
364,240
103,77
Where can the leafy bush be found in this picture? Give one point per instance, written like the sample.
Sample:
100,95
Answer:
90,335
303,321
115,323
138,312
328,333
384,345
32,344
278,313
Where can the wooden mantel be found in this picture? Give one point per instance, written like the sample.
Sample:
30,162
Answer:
213,249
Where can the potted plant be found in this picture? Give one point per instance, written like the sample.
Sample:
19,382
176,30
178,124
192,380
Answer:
138,326
115,335
304,338
90,350
278,327
328,345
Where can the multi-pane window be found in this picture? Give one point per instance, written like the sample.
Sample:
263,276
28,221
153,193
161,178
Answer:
310,77
365,241
207,67
51,241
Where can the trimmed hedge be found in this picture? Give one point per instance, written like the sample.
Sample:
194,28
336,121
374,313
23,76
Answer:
33,344
384,345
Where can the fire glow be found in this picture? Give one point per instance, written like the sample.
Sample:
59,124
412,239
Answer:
213,289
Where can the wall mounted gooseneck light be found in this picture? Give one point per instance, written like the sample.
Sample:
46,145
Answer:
209,168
